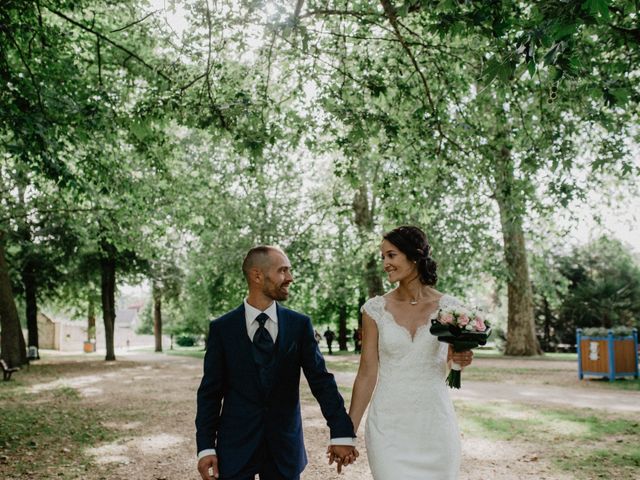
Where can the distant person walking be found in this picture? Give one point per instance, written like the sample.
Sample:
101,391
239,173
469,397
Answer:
316,334
329,336
357,340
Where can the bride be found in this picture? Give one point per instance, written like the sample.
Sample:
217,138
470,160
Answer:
411,431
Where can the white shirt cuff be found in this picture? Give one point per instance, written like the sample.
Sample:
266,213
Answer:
204,453
343,441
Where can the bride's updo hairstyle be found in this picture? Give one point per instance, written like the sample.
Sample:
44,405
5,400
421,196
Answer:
413,243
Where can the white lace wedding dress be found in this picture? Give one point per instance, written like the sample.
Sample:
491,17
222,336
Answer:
411,431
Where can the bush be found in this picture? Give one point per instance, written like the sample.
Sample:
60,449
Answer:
603,332
186,340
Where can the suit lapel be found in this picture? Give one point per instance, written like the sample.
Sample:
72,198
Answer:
283,333
285,339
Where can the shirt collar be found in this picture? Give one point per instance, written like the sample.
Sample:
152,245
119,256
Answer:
252,312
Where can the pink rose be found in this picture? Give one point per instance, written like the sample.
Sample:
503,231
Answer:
480,326
446,318
463,319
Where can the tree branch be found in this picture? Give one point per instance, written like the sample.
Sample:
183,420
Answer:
390,12
268,79
99,62
26,65
632,33
135,23
190,84
296,13
30,212
328,11
214,107
109,41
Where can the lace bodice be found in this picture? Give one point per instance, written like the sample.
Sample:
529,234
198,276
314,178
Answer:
399,353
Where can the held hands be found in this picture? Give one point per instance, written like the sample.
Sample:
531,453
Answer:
461,358
210,462
343,455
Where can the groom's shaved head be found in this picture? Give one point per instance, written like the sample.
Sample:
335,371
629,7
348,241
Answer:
258,257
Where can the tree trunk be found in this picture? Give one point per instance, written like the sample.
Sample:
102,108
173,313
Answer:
363,218
30,290
108,289
361,301
373,277
157,317
91,319
521,336
342,327
547,324
28,272
12,345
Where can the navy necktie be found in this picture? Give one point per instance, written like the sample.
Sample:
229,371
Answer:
263,352
262,340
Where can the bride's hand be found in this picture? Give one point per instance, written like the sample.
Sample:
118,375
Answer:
461,358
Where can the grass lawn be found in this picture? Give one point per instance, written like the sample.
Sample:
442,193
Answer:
493,353
195,352
43,433
588,443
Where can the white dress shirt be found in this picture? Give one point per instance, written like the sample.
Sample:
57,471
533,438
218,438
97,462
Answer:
250,314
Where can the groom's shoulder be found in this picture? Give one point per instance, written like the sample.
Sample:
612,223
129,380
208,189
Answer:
226,318
292,314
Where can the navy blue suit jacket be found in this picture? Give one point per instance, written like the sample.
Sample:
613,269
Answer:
235,414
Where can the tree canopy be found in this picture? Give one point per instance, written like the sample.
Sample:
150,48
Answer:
131,150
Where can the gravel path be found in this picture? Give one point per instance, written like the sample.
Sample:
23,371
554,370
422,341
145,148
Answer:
615,401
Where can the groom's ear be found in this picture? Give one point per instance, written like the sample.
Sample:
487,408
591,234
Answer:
256,275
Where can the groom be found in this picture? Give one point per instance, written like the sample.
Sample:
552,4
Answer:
248,420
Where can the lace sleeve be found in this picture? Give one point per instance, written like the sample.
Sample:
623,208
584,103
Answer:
374,307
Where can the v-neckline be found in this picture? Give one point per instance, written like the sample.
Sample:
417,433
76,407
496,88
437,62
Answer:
413,336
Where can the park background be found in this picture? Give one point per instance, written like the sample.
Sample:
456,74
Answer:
146,145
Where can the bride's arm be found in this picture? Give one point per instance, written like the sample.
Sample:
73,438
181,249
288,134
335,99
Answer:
367,371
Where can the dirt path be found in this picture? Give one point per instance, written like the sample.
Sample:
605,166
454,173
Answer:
157,441
612,401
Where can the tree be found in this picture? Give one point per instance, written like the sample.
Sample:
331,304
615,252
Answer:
603,287
487,134
14,350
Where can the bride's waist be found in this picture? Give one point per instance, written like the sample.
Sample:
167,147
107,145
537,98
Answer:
416,370
408,379
409,392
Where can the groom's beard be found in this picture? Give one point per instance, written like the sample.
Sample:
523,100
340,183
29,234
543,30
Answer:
276,291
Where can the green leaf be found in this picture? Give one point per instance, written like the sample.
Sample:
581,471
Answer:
562,30
597,8
621,95
141,130
447,5
492,70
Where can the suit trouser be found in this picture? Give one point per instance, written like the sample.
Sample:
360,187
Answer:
263,465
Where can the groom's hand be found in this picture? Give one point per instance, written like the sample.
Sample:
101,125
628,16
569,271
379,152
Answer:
206,463
343,455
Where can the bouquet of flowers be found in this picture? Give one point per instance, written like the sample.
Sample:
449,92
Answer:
464,329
